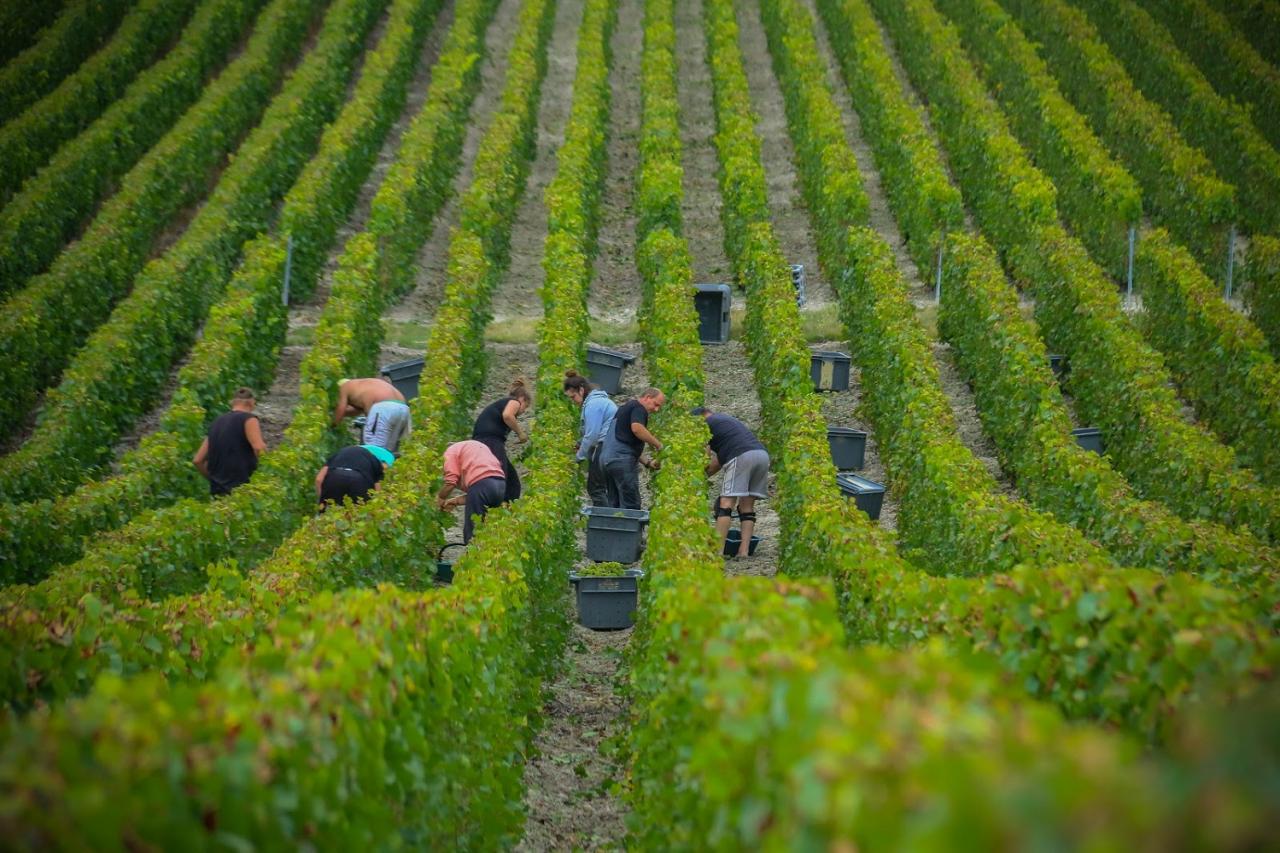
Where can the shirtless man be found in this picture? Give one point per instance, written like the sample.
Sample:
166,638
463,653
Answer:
386,411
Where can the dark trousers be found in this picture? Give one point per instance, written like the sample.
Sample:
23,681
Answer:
499,448
343,483
482,495
597,480
622,473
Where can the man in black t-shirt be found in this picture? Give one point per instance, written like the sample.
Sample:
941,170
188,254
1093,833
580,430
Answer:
623,445
229,454
735,449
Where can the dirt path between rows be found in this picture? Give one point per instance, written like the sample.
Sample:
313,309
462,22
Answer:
791,222
419,306
616,287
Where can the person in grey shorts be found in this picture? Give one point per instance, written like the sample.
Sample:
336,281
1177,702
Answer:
737,452
387,420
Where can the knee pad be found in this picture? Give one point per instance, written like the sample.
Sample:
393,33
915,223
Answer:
746,516
724,511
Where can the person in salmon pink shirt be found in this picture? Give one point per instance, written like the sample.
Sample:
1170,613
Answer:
471,468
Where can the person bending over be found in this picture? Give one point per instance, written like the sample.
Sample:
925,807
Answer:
352,473
736,451
496,422
387,420
624,443
471,468
597,418
229,454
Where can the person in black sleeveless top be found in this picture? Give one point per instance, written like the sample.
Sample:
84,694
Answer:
229,455
496,422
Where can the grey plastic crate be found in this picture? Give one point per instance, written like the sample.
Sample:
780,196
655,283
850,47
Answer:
735,539
848,447
866,494
404,375
798,281
608,603
713,302
1058,364
1090,438
829,370
613,535
604,368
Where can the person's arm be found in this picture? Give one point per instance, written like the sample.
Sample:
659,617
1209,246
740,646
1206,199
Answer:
713,462
324,472
509,412
253,434
641,432
201,459
444,502
340,410
593,427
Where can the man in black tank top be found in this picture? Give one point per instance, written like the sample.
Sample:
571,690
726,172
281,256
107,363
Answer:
229,455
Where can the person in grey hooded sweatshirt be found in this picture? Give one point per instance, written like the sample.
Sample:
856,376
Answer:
597,417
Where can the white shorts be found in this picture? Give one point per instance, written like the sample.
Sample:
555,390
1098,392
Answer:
746,476
387,424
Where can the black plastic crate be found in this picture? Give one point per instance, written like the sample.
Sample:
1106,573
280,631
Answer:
829,370
848,448
605,366
867,494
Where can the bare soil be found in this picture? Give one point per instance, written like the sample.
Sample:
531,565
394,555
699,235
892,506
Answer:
790,216
616,288
881,215
419,306
569,778
519,296
702,202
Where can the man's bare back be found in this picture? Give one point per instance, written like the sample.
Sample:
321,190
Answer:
357,396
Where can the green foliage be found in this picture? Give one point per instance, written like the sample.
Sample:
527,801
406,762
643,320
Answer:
1228,62
950,511
1124,646
424,702
1219,359
23,23
125,363
1222,129
1119,383
1007,192
1262,290
240,340
819,527
1096,195
164,552
410,699
924,200
30,139
78,32
1179,184
1022,410
53,205
44,324
1257,20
